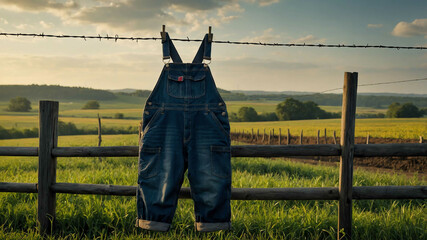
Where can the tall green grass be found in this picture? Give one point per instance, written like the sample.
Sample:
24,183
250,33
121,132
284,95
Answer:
113,217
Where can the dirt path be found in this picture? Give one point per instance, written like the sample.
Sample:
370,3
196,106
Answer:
401,165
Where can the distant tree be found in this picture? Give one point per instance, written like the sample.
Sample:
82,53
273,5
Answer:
119,116
407,110
392,110
67,128
19,104
232,117
92,104
290,109
271,116
423,111
247,114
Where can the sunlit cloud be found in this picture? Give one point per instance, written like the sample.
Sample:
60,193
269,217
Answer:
418,27
309,39
267,35
263,3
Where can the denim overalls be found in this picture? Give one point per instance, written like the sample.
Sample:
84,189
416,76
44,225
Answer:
185,125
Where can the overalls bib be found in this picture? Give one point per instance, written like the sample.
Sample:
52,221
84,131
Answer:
185,126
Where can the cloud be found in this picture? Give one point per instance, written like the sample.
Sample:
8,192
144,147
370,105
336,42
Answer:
46,25
375,25
38,5
149,15
310,39
266,36
3,21
418,27
263,3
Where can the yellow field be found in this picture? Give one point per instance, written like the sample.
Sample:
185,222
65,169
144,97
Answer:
381,127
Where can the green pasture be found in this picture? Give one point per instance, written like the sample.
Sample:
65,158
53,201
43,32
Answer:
113,217
132,107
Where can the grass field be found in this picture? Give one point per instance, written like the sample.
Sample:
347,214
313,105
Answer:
112,217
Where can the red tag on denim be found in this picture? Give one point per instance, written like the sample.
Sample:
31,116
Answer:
180,78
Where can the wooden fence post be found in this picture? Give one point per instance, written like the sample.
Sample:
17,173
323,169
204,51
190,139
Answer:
335,137
288,139
326,138
421,139
99,135
263,136
280,136
347,153
367,139
318,136
48,139
300,138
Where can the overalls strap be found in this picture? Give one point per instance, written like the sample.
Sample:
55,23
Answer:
169,50
204,51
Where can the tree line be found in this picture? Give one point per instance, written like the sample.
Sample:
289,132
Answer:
293,109
56,92
290,109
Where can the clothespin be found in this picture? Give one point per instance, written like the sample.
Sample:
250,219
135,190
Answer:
210,35
163,33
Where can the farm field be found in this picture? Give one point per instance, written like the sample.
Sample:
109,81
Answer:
132,107
101,217
381,127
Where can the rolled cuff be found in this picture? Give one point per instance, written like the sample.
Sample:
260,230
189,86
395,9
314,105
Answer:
152,225
211,227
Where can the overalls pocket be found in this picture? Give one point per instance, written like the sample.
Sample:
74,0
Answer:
149,117
148,158
221,120
188,85
220,161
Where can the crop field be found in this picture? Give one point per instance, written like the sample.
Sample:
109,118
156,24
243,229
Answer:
407,128
102,217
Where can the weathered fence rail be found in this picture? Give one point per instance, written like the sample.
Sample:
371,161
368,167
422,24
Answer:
360,150
47,152
304,193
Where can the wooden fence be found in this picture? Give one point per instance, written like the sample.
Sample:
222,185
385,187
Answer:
47,187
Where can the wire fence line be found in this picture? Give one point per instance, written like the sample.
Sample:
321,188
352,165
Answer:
369,84
137,39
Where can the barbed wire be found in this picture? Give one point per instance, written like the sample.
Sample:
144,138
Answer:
380,83
137,39
366,84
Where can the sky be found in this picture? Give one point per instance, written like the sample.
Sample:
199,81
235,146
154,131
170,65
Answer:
129,64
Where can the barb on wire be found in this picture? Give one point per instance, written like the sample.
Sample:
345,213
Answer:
117,37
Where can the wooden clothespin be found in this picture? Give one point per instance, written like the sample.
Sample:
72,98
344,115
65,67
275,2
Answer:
210,35
163,33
